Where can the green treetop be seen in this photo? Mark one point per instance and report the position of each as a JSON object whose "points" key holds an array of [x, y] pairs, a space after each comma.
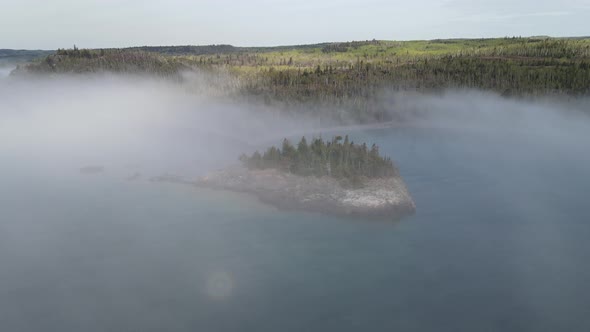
{"points": [[339, 158]]}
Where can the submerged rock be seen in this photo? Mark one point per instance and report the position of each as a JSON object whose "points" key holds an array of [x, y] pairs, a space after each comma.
{"points": [[379, 197]]}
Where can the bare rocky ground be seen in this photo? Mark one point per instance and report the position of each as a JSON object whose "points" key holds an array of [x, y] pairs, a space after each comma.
{"points": [[378, 198]]}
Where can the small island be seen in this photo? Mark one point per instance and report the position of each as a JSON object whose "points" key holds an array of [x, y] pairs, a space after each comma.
{"points": [[336, 177]]}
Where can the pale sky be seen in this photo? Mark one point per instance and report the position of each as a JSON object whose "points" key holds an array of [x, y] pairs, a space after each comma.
{"points": [[51, 24]]}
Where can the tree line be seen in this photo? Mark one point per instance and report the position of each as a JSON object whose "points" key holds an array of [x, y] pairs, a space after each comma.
{"points": [[339, 158], [343, 82]]}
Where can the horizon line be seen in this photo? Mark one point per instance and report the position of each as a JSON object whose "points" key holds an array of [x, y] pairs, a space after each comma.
{"points": [[299, 45]]}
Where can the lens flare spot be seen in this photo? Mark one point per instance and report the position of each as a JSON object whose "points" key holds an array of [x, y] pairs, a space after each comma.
{"points": [[219, 285]]}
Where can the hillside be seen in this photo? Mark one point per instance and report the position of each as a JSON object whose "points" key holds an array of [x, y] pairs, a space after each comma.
{"points": [[347, 80], [10, 57]]}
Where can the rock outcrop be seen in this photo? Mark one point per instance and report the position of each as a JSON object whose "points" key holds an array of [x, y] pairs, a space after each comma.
{"points": [[380, 197]]}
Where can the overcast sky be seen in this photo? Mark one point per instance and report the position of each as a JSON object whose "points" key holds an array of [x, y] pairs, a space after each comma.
{"points": [[50, 24]]}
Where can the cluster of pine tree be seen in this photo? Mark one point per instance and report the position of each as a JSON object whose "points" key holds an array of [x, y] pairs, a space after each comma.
{"points": [[111, 60], [80, 53], [338, 158]]}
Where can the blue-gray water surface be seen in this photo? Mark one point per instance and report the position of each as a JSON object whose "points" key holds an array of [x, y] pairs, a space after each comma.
{"points": [[499, 243]]}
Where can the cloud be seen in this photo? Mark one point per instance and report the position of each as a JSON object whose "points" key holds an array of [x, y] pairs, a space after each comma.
{"points": [[49, 25], [514, 16]]}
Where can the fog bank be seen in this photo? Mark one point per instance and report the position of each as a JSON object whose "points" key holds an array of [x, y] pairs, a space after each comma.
{"points": [[157, 126], [114, 121]]}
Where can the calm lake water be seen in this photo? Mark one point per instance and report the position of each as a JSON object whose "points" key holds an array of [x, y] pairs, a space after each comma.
{"points": [[499, 243]]}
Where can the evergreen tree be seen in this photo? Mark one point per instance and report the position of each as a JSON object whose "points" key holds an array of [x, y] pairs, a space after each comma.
{"points": [[337, 158]]}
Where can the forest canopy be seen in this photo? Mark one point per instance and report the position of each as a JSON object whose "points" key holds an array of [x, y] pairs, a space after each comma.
{"points": [[351, 82], [339, 158]]}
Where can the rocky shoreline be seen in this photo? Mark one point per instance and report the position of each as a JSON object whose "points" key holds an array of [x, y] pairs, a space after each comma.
{"points": [[378, 198]]}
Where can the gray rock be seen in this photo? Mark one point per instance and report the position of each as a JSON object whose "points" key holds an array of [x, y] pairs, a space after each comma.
{"points": [[381, 198]]}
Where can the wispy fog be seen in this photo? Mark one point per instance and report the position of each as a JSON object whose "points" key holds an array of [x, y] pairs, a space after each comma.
{"points": [[5, 70], [548, 120], [139, 122], [161, 126]]}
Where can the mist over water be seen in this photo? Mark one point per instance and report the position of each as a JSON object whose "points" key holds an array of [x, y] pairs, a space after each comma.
{"points": [[5, 70], [115, 120], [499, 239], [118, 120]]}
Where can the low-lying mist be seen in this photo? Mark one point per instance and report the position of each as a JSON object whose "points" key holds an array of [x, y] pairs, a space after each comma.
{"points": [[117, 121], [158, 126], [546, 120], [5, 69]]}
